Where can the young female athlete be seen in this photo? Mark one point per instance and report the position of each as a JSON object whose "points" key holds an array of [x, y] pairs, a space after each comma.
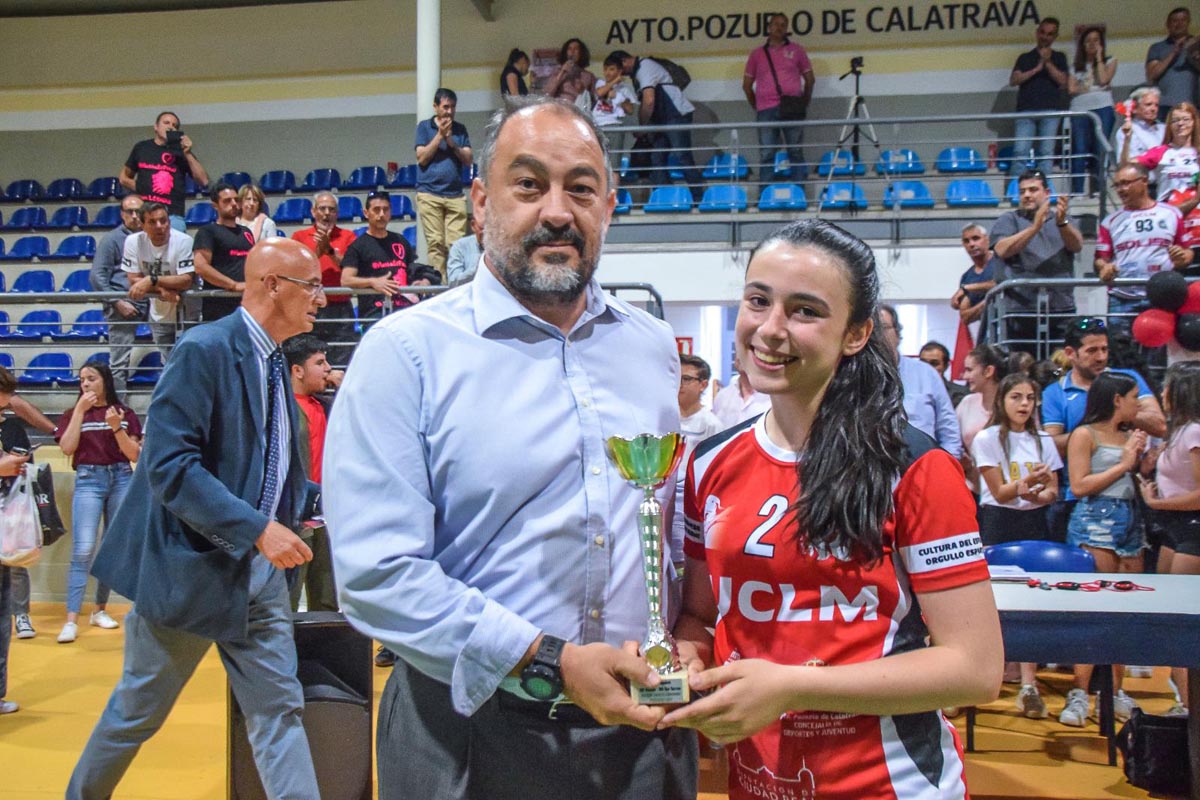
{"points": [[826, 541]]}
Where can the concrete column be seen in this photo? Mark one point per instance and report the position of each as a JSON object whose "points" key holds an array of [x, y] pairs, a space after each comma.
{"points": [[429, 54]]}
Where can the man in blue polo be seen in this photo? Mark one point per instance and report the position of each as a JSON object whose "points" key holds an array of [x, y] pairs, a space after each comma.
{"points": [[1063, 402]]}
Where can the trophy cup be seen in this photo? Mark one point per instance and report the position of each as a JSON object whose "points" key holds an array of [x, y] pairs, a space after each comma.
{"points": [[647, 461]]}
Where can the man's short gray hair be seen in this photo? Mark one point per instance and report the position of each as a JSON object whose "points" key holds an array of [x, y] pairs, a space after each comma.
{"points": [[1144, 91], [324, 193], [974, 226], [512, 106]]}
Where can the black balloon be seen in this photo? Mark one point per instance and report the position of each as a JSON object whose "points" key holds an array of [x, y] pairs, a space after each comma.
{"points": [[1167, 290], [1187, 331]]}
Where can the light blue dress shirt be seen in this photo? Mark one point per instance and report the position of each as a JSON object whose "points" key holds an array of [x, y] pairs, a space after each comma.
{"points": [[468, 496], [928, 404]]}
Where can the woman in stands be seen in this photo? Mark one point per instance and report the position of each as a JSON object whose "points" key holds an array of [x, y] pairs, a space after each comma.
{"points": [[254, 217], [1174, 499], [512, 78], [102, 436], [1102, 454], [1176, 161], [1090, 85], [573, 80], [983, 369], [826, 540]]}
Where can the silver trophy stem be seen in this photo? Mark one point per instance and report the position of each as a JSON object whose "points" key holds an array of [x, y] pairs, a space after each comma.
{"points": [[659, 646]]}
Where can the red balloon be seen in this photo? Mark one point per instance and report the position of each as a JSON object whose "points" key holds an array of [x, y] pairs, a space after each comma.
{"points": [[1192, 305], [1154, 327]]}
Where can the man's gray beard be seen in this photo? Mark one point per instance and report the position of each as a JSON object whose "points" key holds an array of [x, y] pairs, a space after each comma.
{"points": [[554, 284]]}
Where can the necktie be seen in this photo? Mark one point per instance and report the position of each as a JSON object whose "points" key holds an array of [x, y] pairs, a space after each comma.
{"points": [[271, 477]]}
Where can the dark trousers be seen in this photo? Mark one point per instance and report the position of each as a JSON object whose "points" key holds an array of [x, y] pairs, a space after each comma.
{"points": [[678, 142], [316, 576], [5, 625], [1059, 517], [427, 750], [998, 525]]}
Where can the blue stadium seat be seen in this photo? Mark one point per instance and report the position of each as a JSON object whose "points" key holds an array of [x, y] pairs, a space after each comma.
{"points": [[143, 333], [148, 369], [843, 194], [34, 280], [366, 179], [410, 233], [624, 202], [278, 181], [26, 248], [74, 248], [68, 217], [36, 324], [6, 359], [89, 326], [360, 231], [323, 179], [106, 217], [104, 188], [406, 178], [236, 179], [402, 207], [675, 167], [293, 210], [1013, 192], [899, 162], [970, 193], [200, 214], [669, 200], [45, 369], [782, 165], [961, 159], [1, 273], [349, 209], [25, 189], [1004, 160], [28, 219], [101, 356], [723, 197], [846, 165], [623, 168], [190, 188], [908, 194], [77, 281], [469, 174], [65, 189], [782, 197], [725, 167]]}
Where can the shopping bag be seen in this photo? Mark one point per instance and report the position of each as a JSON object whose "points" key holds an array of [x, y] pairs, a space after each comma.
{"points": [[43, 492], [20, 529]]}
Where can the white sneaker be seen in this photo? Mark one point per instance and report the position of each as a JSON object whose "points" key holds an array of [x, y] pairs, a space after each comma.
{"points": [[8, 707], [1177, 710], [24, 627], [68, 633], [1077, 709], [1030, 703], [1139, 672], [1123, 706], [101, 619]]}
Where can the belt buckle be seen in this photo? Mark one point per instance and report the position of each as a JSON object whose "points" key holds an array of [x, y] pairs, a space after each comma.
{"points": [[552, 714]]}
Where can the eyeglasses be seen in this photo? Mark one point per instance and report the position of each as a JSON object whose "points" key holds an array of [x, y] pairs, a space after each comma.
{"points": [[133, 211], [314, 287], [690, 379]]}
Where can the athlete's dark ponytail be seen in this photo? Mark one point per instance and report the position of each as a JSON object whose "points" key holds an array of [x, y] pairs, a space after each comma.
{"points": [[855, 449]]}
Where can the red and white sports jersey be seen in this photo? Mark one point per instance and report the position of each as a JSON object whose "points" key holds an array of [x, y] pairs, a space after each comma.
{"points": [[1137, 241], [1191, 223], [1174, 167], [778, 603]]}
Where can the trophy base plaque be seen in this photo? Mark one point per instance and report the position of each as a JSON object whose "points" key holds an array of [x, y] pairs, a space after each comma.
{"points": [[671, 690]]}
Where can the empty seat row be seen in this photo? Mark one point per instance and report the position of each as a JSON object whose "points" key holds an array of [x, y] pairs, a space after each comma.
{"points": [[64, 189], [27, 248], [42, 280], [47, 369], [44, 323]]}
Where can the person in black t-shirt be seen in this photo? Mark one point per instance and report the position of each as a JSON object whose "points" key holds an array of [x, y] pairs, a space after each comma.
{"points": [[220, 253], [378, 260], [157, 168], [1041, 76]]}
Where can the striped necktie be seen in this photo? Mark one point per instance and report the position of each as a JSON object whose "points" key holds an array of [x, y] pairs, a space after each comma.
{"points": [[271, 478]]}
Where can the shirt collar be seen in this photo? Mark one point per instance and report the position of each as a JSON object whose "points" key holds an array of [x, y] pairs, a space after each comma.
{"points": [[494, 304], [264, 345]]}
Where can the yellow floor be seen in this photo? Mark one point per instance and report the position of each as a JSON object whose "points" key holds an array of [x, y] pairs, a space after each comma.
{"points": [[63, 688]]}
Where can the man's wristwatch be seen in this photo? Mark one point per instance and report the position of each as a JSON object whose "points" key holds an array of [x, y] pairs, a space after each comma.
{"points": [[542, 677]]}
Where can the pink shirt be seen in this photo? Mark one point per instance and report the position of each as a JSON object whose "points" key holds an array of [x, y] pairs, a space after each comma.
{"points": [[791, 62], [1175, 464]]}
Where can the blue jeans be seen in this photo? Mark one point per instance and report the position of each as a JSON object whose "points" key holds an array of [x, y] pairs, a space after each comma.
{"points": [[770, 140], [98, 490], [5, 625], [1045, 129], [1085, 150], [1121, 313], [678, 142]]}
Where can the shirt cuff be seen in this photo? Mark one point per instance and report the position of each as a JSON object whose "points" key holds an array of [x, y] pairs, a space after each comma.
{"points": [[498, 642]]}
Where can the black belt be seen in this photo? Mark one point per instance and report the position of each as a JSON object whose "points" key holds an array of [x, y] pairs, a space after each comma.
{"points": [[562, 711]]}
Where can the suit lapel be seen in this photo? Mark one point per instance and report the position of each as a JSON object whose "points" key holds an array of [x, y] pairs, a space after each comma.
{"points": [[251, 373]]}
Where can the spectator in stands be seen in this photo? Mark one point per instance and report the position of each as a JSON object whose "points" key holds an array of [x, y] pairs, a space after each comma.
{"points": [[422, 275], [662, 103], [1090, 87], [1170, 65], [309, 371], [937, 355], [1176, 161], [157, 168], [464, 255], [739, 401], [1141, 131], [512, 77], [573, 81], [615, 102], [985, 272], [1063, 402], [123, 315], [983, 369], [378, 260], [926, 400], [158, 260], [1140, 239], [778, 85], [220, 251], [103, 438], [443, 149], [1041, 75], [254, 216], [14, 581], [1031, 249], [335, 324]]}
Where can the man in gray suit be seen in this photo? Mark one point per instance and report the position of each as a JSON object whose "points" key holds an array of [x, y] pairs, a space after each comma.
{"points": [[201, 540]]}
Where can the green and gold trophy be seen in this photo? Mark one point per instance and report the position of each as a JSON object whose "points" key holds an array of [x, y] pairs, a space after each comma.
{"points": [[647, 461]]}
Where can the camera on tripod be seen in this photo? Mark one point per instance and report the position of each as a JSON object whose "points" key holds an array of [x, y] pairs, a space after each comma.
{"points": [[856, 63]]}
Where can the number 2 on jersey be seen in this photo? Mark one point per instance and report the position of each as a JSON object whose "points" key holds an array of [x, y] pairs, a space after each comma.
{"points": [[774, 509]]}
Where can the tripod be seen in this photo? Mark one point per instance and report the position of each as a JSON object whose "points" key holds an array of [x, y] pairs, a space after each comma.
{"points": [[857, 126]]}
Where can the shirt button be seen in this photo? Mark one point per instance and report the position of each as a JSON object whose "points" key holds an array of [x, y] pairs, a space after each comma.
{"points": [[595, 470], [585, 404], [594, 613], [599, 540]]}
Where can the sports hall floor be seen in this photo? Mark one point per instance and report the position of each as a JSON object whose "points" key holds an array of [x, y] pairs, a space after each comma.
{"points": [[62, 689]]}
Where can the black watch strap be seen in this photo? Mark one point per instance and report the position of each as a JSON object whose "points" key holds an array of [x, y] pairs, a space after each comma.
{"points": [[549, 651]]}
